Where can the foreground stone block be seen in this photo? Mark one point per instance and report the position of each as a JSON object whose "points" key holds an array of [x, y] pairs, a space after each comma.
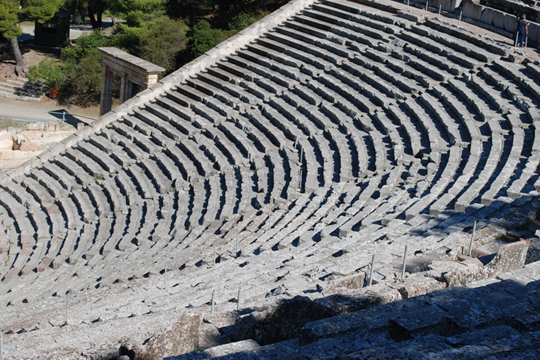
{"points": [[181, 339]]}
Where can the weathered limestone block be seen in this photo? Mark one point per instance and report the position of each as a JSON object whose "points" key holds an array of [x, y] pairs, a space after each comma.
{"points": [[244, 346], [533, 254], [279, 322], [473, 11], [6, 154], [509, 257], [335, 281], [346, 301], [29, 146], [6, 141], [182, 338], [35, 126], [418, 285], [50, 126]]}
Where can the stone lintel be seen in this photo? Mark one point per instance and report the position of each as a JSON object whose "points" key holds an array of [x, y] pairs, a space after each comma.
{"points": [[124, 57]]}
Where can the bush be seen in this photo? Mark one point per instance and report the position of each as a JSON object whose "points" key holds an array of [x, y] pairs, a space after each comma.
{"points": [[85, 44], [88, 75], [161, 43], [243, 20], [51, 71], [203, 38]]}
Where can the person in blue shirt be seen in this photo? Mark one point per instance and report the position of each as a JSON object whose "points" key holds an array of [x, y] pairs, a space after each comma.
{"points": [[522, 29]]}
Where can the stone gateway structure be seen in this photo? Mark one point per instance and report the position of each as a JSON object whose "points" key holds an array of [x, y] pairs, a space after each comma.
{"points": [[328, 140], [133, 71]]}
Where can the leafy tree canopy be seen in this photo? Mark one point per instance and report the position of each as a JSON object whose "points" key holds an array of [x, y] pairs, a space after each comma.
{"points": [[42, 10], [9, 18]]}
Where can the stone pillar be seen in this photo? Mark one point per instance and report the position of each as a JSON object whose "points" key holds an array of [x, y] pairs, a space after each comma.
{"points": [[132, 70], [106, 91], [123, 89]]}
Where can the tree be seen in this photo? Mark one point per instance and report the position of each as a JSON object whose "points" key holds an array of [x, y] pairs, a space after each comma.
{"points": [[9, 21], [41, 10], [203, 38], [161, 43], [96, 8]]}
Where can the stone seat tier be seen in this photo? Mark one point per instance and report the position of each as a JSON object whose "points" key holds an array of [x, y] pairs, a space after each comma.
{"points": [[434, 192], [418, 114], [461, 181], [475, 52], [481, 179], [77, 171], [398, 65], [504, 174], [115, 152], [440, 51], [374, 28], [48, 182]]}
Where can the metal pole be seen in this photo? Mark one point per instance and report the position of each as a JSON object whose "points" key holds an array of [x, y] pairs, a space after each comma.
{"points": [[238, 302], [371, 270], [67, 306], [439, 11], [526, 38], [212, 303], [63, 116], [404, 262], [460, 14], [472, 238], [426, 8], [407, 3], [517, 36]]}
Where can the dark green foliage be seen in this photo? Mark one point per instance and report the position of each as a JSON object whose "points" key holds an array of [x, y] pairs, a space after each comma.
{"points": [[51, 71], [89, 73], [203, 38], [161, 43], [9, 19], [245, 19], [42, 10], [85, 45]]}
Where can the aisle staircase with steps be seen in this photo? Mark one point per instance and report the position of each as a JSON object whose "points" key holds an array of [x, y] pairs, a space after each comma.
{"points": [[22, 89]]}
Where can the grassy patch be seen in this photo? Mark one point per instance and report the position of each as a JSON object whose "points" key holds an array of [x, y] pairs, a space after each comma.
{"points": [[6, 123]]}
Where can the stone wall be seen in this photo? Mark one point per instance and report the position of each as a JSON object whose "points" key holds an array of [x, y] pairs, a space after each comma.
{"points": [[18, 145]]}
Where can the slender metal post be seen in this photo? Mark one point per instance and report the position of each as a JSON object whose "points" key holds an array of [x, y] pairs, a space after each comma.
{"points": [[404, 262], [238, 301], [63, 116], [371, 270], [439, 11], [407, 3], [472, 239], [460, 14], [426, 8], [212, 303], [526, 38], [67, 306], [517, 37], [214, 253]]}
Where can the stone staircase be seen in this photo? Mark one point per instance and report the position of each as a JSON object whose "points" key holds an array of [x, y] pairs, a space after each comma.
{"points": [[22, 89]]}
